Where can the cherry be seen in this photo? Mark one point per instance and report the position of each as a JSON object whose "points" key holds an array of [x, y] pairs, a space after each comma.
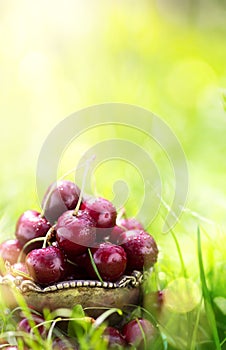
{"points": [[46, 265], [29, 226], [116, 234], [110, 261], [82, 260], [140, 248], [20, 267], [114, 338], [124, 224], [104, 214], [74, 233], [61, 196], [130, 224], [73, 272], [134, 335], [25, 325], [10, 250]]}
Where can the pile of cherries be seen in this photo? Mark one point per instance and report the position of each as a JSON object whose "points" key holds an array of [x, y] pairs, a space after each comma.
{"points": [[77, 237]]}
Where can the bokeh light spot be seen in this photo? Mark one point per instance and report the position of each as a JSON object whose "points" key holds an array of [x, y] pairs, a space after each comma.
{"points": [[182, 295]]}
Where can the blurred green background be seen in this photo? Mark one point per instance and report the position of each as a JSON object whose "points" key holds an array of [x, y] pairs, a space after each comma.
{"points": [[166, 56]]}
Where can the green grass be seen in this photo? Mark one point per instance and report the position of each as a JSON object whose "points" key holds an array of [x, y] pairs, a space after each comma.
{"points": [[207, 298]]}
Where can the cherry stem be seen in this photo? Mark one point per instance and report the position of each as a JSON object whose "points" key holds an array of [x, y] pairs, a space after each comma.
{"points": [[37, 239], [87, 166], [50, 234], [16, 273], [121, 214], [54, 185]]}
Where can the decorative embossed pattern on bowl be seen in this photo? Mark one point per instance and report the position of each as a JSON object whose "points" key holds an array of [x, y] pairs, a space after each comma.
{"points": [[93, 295]]}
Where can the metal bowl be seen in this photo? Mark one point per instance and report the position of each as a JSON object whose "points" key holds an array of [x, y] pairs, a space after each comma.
{"points": [[92, 295]]}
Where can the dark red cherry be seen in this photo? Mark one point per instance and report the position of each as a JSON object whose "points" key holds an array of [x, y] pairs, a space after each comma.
{"points": [[73, 272], [61, 196], [114, 338], [10, 250], [110, 261], [116, 234], [74, 233], [82, 260], [31, 225], [130, 224], [104, 214], [124, 224], [25, 325], [136, 330], [101, 210], [46, 265], [140, 248], [20, 267]]}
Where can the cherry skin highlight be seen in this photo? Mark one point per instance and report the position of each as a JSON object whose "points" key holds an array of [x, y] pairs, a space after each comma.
{"points": [[74, 233], [46, 265], [61, 196], [29, 226]]}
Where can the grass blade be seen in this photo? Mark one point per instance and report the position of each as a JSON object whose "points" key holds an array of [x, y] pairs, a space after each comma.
{"points": [[206, 295], [94, 265]]}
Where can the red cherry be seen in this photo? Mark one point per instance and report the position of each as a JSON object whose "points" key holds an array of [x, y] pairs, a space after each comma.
{"points": [[135, 331], [130, 224], [20, 267], [61, 196], [104, 214], [114, 337], [73, 272], [25, 325], [110, 261], [10, 250], [124, 224], [29, 226], [140, 248], [74, 233], [46, 265], [116, 234]]}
